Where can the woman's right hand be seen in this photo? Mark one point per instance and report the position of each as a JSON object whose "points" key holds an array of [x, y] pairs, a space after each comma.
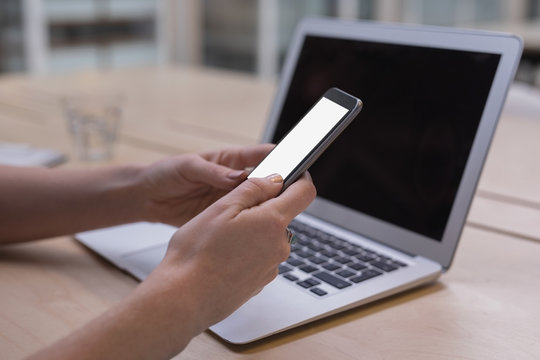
{"points": [[229, 252]]}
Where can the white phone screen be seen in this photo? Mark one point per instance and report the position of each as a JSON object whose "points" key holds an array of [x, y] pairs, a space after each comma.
{"points": [[299, 142]]}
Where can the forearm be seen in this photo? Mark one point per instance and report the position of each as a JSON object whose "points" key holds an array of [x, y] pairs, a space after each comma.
{"points": [[155, 322], [202, 278], [39, 203]]}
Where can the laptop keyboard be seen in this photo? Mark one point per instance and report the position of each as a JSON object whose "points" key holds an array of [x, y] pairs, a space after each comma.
{"points": [[319, 259]]}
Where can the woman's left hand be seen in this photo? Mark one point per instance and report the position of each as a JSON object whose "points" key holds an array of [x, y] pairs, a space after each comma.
{"points": [[178, 188]]}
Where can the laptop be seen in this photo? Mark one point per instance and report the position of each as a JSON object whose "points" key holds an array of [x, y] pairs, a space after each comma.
{"points": [[393, 190]]}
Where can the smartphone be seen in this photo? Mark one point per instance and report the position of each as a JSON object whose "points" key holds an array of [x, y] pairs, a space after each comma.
{"points": [[308, 139]]}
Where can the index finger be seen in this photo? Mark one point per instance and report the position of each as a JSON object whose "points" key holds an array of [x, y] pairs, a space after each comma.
{"points": [[295, 199], [240, 158], [253, 155]]}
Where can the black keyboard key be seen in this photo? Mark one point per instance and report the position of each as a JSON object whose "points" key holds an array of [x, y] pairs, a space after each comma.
{"points": [[331, 266], [310, 232], [304, 253], [364, 275], [296, 247], [370, 251], [316, 260], [345, 273], [365, 257], [356, 247], [383, 266], [284, 268], [318, 291], [303, 240], [342, 260], [357, 266], [337, 245], [294, 262], [304, 284], [324, 240], [329, 253], [332, 280], [398, 263], [290, 277], [308, 283], [333, 239], [315, 247], [307, 268], [350, 252], [320, 235]]}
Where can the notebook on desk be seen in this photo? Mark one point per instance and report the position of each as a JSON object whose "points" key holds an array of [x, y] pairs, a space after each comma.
{"points": [[393, 191]]}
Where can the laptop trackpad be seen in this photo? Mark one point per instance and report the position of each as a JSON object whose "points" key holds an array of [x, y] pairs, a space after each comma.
{"points": [[142, 262]]}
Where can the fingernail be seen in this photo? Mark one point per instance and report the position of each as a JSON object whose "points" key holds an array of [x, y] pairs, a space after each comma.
{"points": [[275, 178], [235, 175]]}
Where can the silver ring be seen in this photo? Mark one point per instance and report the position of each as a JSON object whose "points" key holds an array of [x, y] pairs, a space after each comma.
{"points": [[291, 238]]}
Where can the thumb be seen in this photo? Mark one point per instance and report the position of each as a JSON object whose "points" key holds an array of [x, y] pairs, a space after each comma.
{"points": [[253, 192]]}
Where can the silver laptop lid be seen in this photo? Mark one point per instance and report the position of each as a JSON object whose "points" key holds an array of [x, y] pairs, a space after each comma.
{"points": [[405, 172]]}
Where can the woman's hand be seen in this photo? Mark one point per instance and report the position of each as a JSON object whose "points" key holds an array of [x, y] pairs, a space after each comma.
{"points": [[38, 203], [214, 263], [179, 188], [228, 253]]}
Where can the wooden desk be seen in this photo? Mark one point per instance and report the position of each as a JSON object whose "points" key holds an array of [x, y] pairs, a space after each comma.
{"points": [[486, 306]]}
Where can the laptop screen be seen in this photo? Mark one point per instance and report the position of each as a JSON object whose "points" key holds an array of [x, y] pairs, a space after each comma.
{"points": [[402, 159]]}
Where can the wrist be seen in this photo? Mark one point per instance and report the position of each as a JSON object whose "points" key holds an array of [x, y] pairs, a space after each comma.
{"points": [[153, 322], [125, 189], [171, 307]]}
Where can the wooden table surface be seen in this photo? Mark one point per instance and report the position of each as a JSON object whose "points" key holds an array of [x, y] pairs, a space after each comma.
{"points": [[486, 307]]}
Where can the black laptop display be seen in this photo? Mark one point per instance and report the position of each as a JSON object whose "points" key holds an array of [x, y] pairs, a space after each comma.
{"points": [[403, 160]]}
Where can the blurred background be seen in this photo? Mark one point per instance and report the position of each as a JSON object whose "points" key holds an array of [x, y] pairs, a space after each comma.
{"points": [[56, 36]]}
